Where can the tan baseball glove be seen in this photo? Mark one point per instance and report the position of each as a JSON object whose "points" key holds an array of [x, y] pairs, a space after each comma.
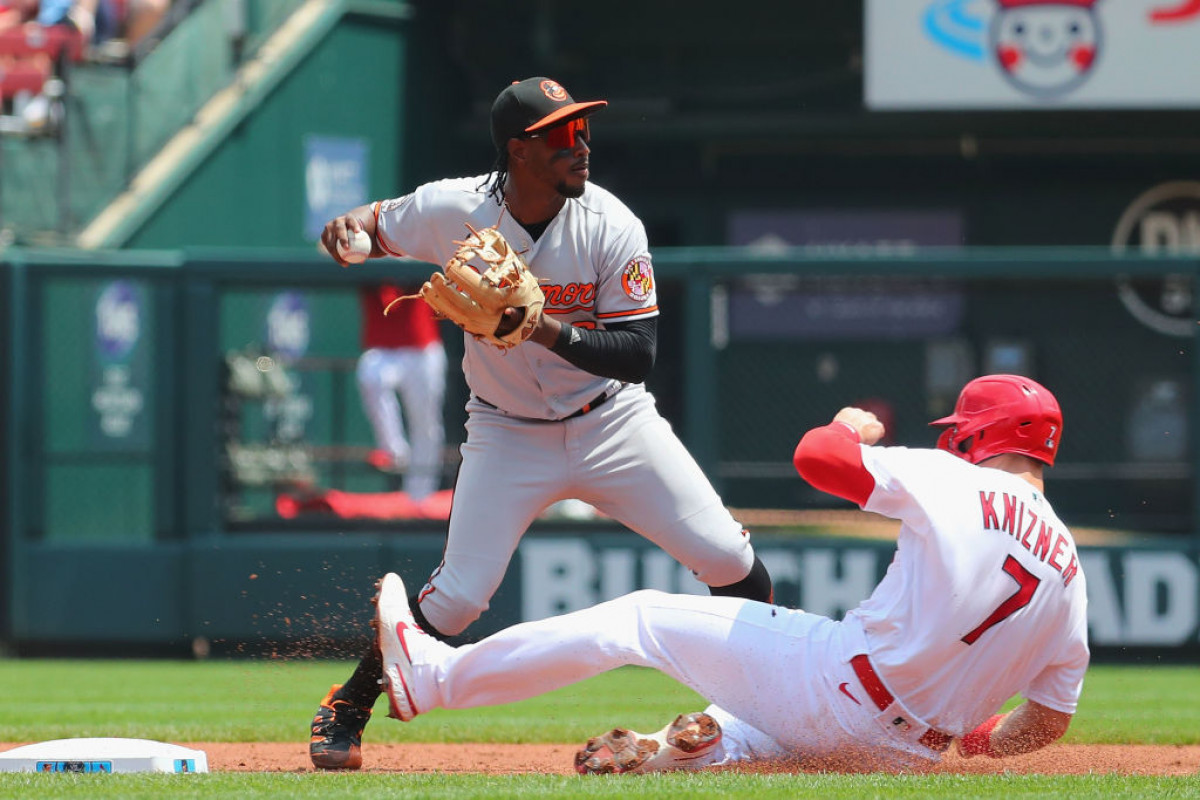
{"points": [[474, 295]]}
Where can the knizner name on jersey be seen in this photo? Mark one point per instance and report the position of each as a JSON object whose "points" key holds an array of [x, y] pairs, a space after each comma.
{"points": [[1008, 513]]}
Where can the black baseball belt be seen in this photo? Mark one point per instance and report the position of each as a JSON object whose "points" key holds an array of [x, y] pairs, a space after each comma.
{"points": [[587, 408]]}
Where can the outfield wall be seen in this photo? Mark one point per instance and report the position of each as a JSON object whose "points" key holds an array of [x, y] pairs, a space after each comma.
{"points": [[127, 522], [309, 594]]}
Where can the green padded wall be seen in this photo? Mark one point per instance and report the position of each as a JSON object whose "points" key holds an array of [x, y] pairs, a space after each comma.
{"points": [[251, 191]]}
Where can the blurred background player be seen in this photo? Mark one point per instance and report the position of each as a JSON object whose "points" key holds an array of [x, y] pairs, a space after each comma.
{"points": [[403, 364], [983, 600]]}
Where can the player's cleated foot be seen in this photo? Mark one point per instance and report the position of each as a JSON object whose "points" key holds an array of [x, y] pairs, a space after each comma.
{"points": [[684, 744], [384, 461], [395, 629], [337, 730]]}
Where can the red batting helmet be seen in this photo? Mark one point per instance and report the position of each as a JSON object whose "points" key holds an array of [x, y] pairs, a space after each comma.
{"points": [[1002, 414]]}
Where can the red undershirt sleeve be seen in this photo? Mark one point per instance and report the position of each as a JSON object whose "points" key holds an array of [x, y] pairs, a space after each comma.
{"points": [[829, 458]]}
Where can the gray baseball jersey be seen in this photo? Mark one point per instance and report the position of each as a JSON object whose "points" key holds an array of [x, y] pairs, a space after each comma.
{"points": [[574, 259]]}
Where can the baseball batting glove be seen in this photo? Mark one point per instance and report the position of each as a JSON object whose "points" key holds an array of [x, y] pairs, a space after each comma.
{"points": [[475, 297]]}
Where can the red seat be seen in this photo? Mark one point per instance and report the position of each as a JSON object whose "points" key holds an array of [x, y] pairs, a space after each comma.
{"points": [[22, 78], [33, 39]]}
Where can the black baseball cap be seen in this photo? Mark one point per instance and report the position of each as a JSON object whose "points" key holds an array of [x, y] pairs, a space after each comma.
{"points": [[532, 105]]}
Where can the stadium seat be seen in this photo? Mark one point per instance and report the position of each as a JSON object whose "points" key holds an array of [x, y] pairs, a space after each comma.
{"points": [[53, 41], [22, 77]]}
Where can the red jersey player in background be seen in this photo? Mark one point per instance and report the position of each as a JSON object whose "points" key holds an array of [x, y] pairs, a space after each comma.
{"points": [[403, 364]]}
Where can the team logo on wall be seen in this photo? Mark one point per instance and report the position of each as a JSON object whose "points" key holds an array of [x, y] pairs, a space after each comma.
{"points": [[1045, 47], [288, 325], [638, 278], [118, 321], [1163, 221]]}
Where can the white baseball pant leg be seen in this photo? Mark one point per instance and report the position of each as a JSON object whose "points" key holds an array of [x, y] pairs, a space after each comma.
{"points": [[379, 372], [422, 390], [772, 672]]}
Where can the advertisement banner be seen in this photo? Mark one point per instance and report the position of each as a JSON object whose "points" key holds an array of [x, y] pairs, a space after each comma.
{"points": [[1139, 599], [791, 308], [1031, 54], [335, 179]]}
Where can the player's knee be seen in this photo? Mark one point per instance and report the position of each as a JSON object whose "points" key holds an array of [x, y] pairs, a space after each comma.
{"points": [[639, 597], [722, 565], [756, 585], [449, 613], [713, 545]]}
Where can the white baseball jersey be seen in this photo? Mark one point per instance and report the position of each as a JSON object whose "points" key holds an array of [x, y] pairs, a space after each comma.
{"points": [[984, 599], [593, 261]]}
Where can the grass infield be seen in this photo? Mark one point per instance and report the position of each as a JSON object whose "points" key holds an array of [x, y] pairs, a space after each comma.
{"points": [[268, 701]]}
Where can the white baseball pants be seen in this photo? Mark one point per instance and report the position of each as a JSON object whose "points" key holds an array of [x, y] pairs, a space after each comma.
{"points": [[772, 674], [417, 376]]}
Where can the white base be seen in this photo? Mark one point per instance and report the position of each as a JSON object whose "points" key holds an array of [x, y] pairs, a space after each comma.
{"points": [[103, 755]]}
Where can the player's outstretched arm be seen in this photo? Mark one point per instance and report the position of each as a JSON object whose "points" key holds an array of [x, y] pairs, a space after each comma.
{"points": [[1028, 727]]}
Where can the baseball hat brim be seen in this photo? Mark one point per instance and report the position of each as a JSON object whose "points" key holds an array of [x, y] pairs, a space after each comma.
{"points": [[565, 113]]}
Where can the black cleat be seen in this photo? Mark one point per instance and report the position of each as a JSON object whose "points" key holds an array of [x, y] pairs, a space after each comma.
{"points": [[337, 732]]}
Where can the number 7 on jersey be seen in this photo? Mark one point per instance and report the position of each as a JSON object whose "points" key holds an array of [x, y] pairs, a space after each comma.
{"points": [[1027, 584]]}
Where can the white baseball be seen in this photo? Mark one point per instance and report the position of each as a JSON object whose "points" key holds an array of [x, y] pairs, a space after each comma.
{"points": [[359, 249]]}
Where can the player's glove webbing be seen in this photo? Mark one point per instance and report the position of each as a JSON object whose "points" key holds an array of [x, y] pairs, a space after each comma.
{"points": [[474, 296]]}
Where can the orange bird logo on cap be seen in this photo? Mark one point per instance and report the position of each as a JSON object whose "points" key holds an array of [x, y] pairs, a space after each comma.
{"points": [[554, 91]]}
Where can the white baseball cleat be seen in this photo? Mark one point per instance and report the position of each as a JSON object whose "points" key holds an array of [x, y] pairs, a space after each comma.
{"points": [[394, 624], [684, 744]]}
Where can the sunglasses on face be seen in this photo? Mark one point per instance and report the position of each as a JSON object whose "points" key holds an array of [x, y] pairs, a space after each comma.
{"points": [[562, 137]]}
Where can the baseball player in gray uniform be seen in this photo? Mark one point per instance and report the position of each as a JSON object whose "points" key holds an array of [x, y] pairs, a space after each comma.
{"points": [[985, 599], [564, 414]]}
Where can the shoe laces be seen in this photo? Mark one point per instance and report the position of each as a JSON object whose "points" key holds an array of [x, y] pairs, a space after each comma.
{"points": [[341, 714]]}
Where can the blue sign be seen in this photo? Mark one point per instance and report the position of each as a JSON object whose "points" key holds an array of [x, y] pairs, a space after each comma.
{"points": [[335, 179], [120, 384], [288, 325], [118, 321]]}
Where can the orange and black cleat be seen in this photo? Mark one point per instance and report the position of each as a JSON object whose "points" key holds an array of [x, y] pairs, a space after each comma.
{"points": [[337, 732]]}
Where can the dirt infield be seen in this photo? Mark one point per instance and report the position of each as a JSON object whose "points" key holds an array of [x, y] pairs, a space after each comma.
{"points": [[515, 759]]}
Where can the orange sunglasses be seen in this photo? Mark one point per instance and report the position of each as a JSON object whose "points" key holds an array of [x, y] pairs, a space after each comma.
{"points": [[562, 137]]}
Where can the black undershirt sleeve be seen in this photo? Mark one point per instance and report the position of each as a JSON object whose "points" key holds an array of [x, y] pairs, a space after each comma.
{"points": [[623, 350]]}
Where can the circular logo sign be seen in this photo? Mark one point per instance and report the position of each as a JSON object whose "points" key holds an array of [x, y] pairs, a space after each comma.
{"points": [[1046, 48], [1163, 220], [118, 320]]}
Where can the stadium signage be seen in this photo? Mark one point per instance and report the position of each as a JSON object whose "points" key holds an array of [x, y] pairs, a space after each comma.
{"points": [[1136, 597], [1023, 54]]}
